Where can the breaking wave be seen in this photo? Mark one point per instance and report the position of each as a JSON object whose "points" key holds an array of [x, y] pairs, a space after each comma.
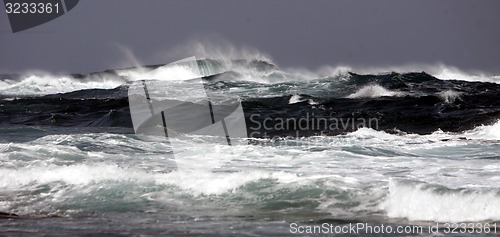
{"points": [[426, 202], [373, 91]]}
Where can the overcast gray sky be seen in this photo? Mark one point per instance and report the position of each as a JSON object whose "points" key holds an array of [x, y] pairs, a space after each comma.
{"points": [[309, 34]]}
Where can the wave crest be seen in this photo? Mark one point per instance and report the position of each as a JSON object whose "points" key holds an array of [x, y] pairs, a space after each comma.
{"points": [[374, 91], [45, 83], [426, 202]]}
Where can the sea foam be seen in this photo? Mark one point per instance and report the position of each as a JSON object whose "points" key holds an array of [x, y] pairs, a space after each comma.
{"points": [[373, 91], [427, 202]]}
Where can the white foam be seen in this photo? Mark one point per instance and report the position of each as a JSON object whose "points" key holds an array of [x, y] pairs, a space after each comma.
{"points": [[164, 73], [294, 99], [483, 132], [195, 182], [226, 53], [452, 73], [41, 83], [489, 132], [5, 83], [81, 174], [449, 96], [424, 202], [56, 159], [297, 98], [44, 83], [56, 163], [374, 91], [367, 133]]}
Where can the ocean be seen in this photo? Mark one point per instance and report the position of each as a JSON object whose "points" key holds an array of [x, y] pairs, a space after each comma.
{"points": [[389, 153]]}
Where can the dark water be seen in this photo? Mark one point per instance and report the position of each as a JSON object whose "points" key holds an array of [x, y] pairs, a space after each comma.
{"points": [[422, 105]]}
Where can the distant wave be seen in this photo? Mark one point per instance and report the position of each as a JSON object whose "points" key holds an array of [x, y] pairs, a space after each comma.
{"points": [[46, 84], [482, 133], [373, 91], [414, 102], [249, 70]]}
